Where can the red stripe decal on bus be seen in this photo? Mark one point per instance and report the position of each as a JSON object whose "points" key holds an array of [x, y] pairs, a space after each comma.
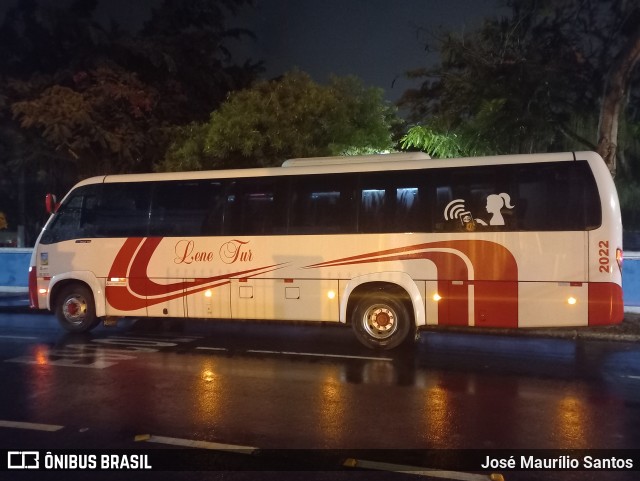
{"points": [[490, 266], [132, 261]]}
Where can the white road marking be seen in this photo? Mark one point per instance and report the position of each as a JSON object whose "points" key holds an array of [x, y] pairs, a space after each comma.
{"points": [[212, 348], [18, 337], [399, 468], [312, 354], [193, 443], [32, 426]]}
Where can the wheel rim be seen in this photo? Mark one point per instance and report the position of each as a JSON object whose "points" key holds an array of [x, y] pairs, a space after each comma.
{"points": [[380, 321], [74, 309]]}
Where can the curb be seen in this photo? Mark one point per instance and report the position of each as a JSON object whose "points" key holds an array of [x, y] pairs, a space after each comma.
{"points": [[627, 331]]}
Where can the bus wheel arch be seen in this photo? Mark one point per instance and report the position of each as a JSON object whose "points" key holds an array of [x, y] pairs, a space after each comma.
{"points": [[75, 307], [381, 315]]}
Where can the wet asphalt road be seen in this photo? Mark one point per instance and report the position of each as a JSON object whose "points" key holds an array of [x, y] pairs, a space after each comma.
{"points": [[143, 385]]}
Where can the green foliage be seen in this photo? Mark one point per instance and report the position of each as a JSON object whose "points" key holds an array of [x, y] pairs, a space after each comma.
{"points": [[287, 118], [527, 82], [78, 99], [187, 151], [442, 145], [103, 100], [99, 123]]}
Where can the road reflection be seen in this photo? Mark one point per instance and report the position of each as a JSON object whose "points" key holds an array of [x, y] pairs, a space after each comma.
{"points": [[209, 388], [571, 422], [276, 386]]}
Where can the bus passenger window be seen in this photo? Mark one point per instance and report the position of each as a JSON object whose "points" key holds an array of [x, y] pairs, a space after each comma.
{"points": [[390, 201], [322, 205], [410, 213], [475, 199], [257, 215], [373, 211], [183, 208], [124, 210], [254, 207]]}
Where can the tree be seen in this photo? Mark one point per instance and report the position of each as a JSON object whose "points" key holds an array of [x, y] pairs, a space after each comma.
{"points": [[285, 118], [181, 51], [443, 145], [615, 98], [98, 123], [103, 99], [78, 98], [532, 81]]}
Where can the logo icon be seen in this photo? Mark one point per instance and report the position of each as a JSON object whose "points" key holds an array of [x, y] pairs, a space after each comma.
{"points": [[457, 210], [454, 209], [23, 460]]}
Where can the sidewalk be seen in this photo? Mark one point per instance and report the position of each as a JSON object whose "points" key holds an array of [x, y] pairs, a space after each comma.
{"points": [[14, 296], [627, 331]]}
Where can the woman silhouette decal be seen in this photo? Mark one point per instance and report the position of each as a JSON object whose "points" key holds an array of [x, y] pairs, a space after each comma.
{"points": [[495, 204]]}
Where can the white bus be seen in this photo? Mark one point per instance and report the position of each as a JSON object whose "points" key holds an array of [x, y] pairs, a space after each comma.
{"points": [[386, 246]]}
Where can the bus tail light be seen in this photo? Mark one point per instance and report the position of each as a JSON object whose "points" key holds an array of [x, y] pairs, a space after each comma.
{"points": [[619, 258], [33, 288]]}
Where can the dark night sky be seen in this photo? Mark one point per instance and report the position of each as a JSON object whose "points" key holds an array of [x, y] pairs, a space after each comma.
{"points": [[376, 40]]}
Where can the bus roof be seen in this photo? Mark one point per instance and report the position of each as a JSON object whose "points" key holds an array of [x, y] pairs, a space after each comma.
{"points": [[324, 165], [356, 159]]}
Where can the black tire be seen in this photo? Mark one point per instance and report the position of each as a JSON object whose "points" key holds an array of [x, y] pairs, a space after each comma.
{"points": [[380, 321], [76, 309]]}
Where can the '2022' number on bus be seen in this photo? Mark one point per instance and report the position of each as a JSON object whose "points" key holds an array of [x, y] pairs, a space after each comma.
{"points": [[603, 252]]}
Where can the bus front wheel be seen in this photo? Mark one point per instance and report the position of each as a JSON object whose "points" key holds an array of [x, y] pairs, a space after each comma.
{"points": [[75, 308], [380, 321]]}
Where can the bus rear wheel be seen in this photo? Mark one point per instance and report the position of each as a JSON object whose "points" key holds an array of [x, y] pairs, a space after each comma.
{"points": [[76, 309], [380, 321]]}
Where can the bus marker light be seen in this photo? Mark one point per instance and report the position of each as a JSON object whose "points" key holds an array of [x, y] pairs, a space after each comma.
{"points": [[572, 300], [331, 294], [43, 291], [208, 293], [436, 297]]}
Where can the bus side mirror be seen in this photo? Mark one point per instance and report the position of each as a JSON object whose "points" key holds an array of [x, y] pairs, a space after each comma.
{"points": [[51, 203]]}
